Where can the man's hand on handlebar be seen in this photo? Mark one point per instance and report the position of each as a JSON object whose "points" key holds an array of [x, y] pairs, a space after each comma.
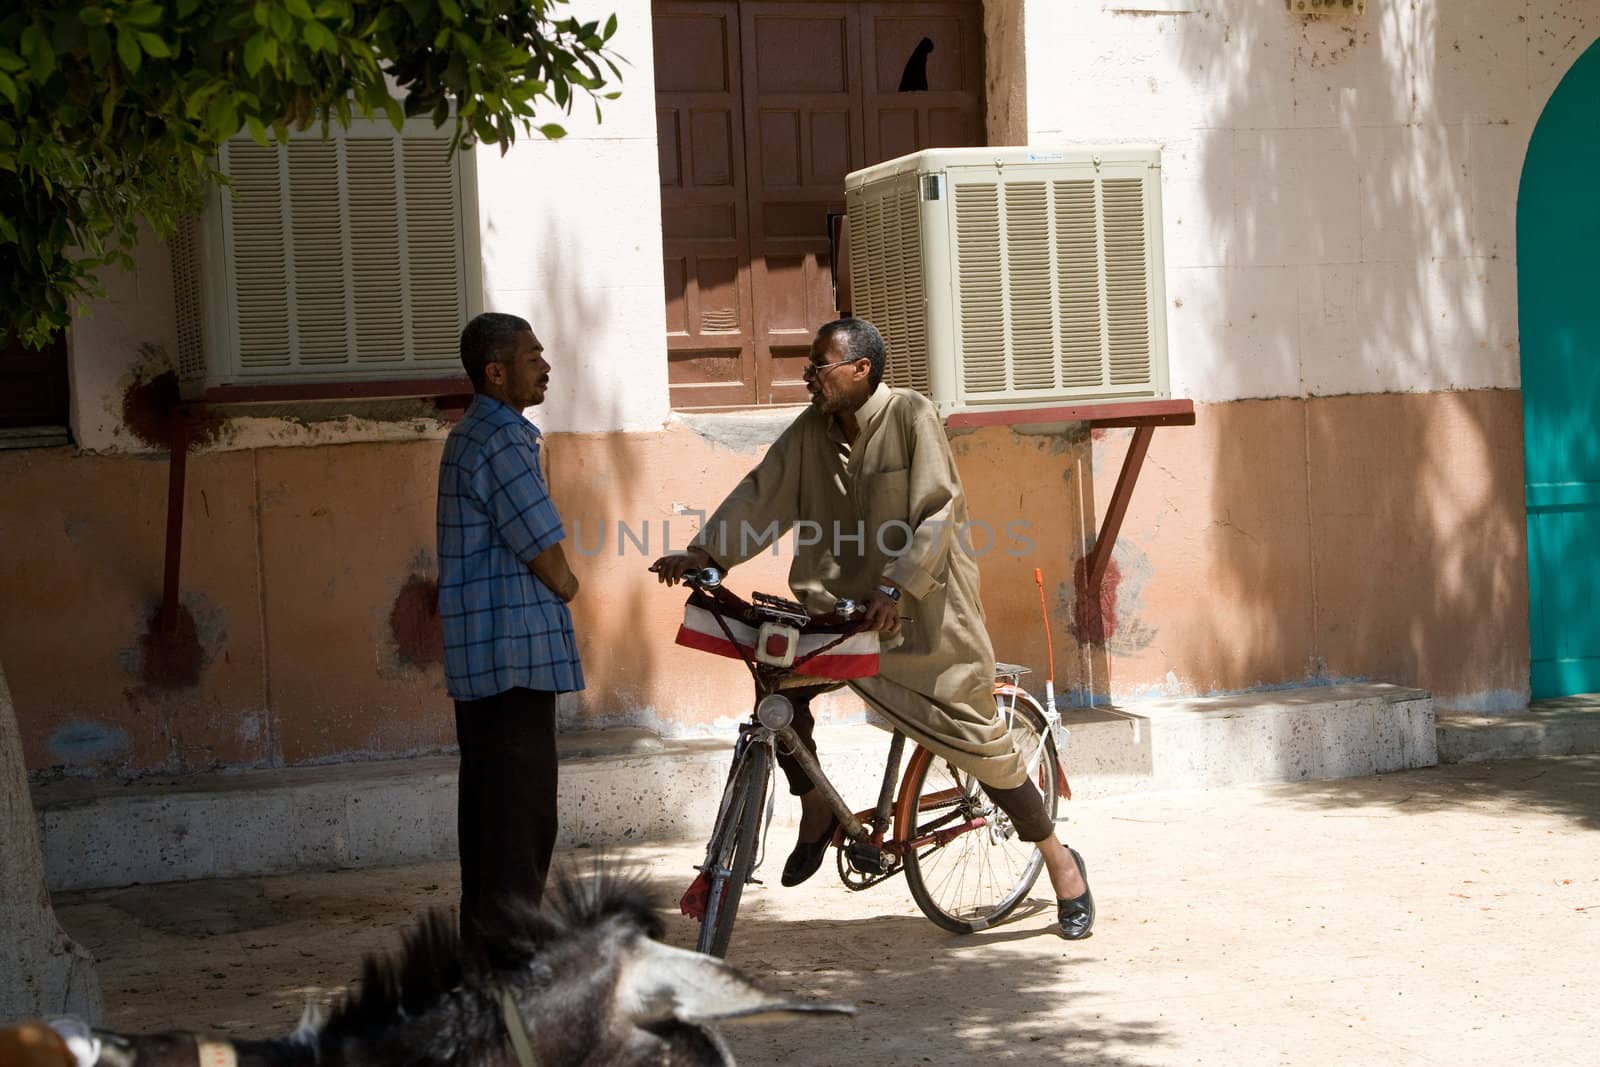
{"points": [[669, 569], [883, 614]]}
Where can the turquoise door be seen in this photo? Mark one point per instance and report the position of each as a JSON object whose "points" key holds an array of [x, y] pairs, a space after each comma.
{"points": [[1558, 292]]}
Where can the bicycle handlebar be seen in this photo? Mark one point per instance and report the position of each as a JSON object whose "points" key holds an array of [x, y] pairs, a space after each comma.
{"points": [[709, 579]]}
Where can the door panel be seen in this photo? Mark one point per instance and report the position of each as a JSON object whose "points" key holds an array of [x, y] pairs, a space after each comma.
{"points": [[816, 95], [705, 237], [801, 64], [1558, 228], [949, 112]]}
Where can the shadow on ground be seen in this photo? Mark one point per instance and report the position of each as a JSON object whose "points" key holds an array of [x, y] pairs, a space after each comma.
{"points": [[1567, 786], [243, 957]]}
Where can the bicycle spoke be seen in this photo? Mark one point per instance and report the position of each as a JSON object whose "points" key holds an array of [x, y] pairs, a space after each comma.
{"points": [[976, 876]]}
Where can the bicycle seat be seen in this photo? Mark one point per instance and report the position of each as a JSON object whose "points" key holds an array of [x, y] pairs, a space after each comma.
{"points": [[1010, 671]]}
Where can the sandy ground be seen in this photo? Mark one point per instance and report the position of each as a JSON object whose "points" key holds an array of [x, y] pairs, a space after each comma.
{"points": [[1445, 916]]}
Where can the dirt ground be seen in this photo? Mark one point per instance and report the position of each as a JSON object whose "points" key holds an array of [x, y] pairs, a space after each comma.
{"points": [[1445, 916]]}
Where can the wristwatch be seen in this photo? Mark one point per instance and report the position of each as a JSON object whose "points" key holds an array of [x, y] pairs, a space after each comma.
{"points": [[889, 591]]}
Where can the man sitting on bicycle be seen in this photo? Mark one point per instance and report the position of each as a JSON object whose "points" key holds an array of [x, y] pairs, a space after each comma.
{"points": [[868, 472]]}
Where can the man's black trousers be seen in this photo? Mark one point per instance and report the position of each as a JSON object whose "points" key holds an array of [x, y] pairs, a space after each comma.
{"points": [[506, 813]]}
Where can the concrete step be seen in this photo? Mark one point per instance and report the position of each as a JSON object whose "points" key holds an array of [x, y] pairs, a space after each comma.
{"points": [[629, 785], [1565, 726]]}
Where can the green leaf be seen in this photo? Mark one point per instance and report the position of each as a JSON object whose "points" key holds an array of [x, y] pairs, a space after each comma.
{"points": [[552, 131], [451, 9], [611, 27], [141, 15], [154, 46], [222, 119], [128, 51], [319, 37], [299, 9], [93, 16], [186, 8], [8, 88], [257, 130], [397, 114], [99, 48], [255, 53], [10, 61], [41, 57]]}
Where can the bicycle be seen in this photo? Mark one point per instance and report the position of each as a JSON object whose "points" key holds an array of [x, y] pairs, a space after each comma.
{"points": [[966, 868]]}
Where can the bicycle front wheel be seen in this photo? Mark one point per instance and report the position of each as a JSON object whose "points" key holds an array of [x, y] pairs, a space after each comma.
{"points": [[732, 855], [969, 869]]}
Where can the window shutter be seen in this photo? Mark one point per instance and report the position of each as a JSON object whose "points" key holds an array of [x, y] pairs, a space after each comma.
{"points": [[349, 257]]}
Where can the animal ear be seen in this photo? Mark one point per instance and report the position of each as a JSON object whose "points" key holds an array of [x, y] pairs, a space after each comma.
{"points": [[660, 982]]}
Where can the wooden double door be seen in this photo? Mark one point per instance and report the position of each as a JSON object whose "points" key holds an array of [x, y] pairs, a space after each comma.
{"points": [[762, 108]]}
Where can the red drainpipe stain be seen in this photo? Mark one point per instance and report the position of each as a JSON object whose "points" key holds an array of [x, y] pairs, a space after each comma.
{"points": [[414, 622], [151, 411], [1088, 626], [172, 660]]}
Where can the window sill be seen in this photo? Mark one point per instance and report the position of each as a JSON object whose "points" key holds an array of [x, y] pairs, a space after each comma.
{"points": [[447, 392], [20, 437]]}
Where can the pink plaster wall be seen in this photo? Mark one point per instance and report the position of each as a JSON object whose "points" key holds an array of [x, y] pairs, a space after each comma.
{"points": [[1374, 536]]}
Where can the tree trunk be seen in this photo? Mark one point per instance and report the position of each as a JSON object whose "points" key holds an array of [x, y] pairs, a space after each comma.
{"points": [[43, 972]]}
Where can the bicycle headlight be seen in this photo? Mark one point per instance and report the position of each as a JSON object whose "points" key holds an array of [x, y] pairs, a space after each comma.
{"points": [[775, 711]]}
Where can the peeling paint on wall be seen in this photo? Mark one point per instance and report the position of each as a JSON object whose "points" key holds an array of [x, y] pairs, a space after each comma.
{"points": [[171, 660], [152, 410], [1120, 626], [414, 623], [176, 659], [87, 742]]}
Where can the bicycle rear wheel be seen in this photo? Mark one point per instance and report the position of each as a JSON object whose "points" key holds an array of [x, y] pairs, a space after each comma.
{"points": [[732, 856], [967, 877]]}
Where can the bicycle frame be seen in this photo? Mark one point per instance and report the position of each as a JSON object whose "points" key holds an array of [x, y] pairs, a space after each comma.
{"points": [[869, 847]]}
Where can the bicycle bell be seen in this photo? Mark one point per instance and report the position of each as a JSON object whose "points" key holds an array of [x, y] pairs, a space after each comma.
{"points": [[846, 608], [710, 577], [775, 711]]}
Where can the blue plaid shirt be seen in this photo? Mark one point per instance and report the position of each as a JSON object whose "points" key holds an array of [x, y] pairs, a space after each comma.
{"points": [[503, 628]]}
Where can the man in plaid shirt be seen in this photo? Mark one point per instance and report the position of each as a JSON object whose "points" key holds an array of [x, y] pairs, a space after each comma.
{"points": [[504, 586]]}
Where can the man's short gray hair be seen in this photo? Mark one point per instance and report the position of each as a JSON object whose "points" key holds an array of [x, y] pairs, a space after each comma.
{"points": [[861, 341]]}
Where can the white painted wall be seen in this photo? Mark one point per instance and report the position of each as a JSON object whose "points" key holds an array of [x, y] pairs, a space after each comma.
{"points": [[135, 326], [572, 242], [1339, 194]]}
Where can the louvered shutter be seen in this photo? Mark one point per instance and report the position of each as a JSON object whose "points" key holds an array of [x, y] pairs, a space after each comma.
{"points": [[886, 281], [346, 258], [1054, 275]]}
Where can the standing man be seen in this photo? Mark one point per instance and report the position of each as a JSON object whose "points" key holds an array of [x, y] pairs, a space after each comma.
{"points": [[504, 586], [871, 466]]}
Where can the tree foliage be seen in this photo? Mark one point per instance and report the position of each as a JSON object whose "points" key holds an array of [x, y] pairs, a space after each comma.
{"points": [[112, 111]]}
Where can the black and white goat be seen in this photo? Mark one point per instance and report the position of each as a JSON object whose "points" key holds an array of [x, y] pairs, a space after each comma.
{"points": [[583, 981]]}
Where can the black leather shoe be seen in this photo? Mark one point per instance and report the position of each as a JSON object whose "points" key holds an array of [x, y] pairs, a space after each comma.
{"points": [[807, 856], [1075, 917]]}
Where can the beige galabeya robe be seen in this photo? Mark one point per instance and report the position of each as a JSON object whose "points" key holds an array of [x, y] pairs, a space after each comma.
{"points": [[890, 505]]}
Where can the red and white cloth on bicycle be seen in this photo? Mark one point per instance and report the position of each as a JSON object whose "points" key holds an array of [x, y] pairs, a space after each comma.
{"points": [[855, 656]]}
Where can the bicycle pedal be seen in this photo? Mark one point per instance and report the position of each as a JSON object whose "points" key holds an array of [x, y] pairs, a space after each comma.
{"points": [[867, 858]]}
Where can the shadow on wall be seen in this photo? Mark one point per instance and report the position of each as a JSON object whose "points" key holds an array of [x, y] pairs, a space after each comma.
{"points": [[1366, 252], [593, 476]]}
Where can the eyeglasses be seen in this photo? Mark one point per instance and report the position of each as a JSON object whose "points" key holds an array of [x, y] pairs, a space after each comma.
{"points": [[814, 369]]}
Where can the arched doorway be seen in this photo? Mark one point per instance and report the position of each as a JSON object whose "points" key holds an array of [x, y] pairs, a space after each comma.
{"points": [[1558, 280]]}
